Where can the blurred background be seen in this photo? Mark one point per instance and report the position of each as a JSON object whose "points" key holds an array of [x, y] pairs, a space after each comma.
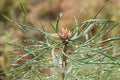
{"points": [[42, 12]]}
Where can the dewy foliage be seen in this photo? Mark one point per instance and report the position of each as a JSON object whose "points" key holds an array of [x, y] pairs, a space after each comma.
{"points": [[91, 58]]}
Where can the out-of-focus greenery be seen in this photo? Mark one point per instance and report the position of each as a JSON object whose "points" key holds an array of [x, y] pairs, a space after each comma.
{"points": [[7, 30], [113, 10]]}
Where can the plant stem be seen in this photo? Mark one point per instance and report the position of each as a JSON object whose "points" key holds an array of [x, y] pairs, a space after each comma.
{"points": [[64, 58]]}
